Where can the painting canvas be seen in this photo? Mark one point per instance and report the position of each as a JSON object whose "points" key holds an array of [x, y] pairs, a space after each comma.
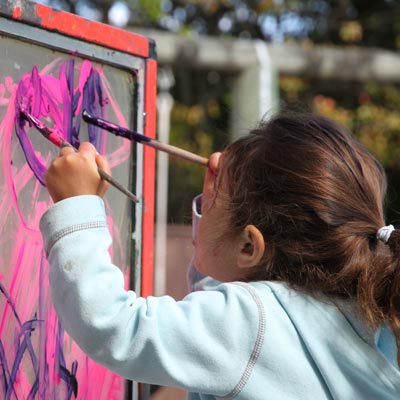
{"points": [[37, 358]]}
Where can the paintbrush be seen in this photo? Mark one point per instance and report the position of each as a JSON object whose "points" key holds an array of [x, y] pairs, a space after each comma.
{"points": [[138, 137], [54, 137]]}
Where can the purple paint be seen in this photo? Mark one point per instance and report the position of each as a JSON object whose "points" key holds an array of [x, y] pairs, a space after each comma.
{"points": [[35, 98], [25, 96]]}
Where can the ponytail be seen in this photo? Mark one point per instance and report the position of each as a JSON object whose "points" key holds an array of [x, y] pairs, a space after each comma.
{"points": [[393, 294], [379, 288]]}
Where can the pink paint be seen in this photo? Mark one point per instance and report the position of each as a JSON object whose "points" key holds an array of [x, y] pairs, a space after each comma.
{"points": [[50, 361]]}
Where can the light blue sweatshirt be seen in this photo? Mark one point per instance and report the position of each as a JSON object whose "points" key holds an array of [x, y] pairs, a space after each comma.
{"points": [[254, 341]]}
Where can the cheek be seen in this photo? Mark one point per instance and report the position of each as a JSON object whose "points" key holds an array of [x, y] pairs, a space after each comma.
{"points": [[203, 261], [210, 229], [205, 251]]}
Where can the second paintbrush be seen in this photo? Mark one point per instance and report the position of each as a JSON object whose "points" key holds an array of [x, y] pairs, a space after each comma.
{"points": [[137, 137]]}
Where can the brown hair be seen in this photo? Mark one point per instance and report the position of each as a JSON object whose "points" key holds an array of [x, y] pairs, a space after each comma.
{"points": [[316, 194]]}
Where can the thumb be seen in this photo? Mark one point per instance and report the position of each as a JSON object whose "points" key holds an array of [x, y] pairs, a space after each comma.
{"points": [[213, 162], [211, 173], [103, 164]]}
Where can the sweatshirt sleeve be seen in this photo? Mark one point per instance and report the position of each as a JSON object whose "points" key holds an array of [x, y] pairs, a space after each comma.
{"points": [[196, 343]]}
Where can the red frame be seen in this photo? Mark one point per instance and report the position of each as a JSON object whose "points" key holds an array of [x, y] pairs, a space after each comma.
{"points": [[149, 179], [127, 42], [78, 27]]}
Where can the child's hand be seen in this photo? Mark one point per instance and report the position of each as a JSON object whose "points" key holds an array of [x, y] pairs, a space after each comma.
{"points": [[75, 173], [209, 182]]}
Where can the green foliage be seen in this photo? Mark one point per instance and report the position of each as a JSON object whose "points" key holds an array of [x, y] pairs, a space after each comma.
{"points": [[150, 8], [361, 22], [199, 123], [145, 13], [370, 110]]}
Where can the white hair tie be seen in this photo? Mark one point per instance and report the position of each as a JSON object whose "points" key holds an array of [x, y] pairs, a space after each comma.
{"points": [[384, 233]]}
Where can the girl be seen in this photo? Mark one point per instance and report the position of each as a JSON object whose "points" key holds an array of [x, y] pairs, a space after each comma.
{"points": [[308, 300]]}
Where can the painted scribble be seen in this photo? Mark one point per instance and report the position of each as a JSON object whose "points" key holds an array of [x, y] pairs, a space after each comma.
{"points": [[37, 358]]}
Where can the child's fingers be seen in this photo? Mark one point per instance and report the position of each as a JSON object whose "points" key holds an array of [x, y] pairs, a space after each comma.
{"points": [[213, 162], [209, 182], [211, 173], [89, 151], [75, 173], [66, 150]]}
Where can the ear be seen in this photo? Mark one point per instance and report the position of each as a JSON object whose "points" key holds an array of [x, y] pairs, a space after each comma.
{"points": [[251, 247]]}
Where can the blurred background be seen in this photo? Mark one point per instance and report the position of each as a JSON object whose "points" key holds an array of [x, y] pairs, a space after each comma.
{"points": [[224, 65]]}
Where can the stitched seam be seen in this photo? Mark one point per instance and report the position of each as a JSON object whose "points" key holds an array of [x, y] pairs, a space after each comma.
{"points": [[74, 228], [257, 346]]}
